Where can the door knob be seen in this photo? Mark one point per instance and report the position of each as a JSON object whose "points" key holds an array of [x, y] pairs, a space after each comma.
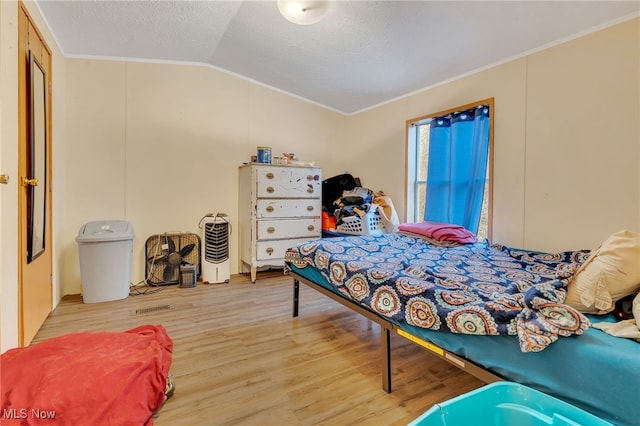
{"points": [[30, 182], [4, 179]]}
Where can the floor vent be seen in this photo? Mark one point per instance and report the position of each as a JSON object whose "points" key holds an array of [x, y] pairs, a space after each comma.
{"points": [[152, 309]]}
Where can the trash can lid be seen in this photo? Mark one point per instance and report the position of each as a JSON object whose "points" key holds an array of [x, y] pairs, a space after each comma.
{"points": [[105, 230]]}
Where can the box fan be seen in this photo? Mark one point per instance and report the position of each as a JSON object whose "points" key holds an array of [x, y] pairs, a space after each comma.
{"points": [[166, 254]]}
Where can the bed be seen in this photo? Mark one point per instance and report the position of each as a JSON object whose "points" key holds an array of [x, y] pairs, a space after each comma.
{"points": [[525, 335]]}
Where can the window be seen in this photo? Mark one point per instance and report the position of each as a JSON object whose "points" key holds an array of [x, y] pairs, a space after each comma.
{"points": [[419, 133]]}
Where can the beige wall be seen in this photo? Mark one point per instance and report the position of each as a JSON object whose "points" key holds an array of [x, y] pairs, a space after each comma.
{"points": [[9, 163], [567, 140], [583, 139], [159, 145]]}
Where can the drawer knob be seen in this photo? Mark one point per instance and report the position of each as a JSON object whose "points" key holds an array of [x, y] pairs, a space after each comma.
{"points": [[310, 190], [269, 175], [271, 229], [269, 209], [311, 227], [269, 250], [309, 208], [270, 189]]}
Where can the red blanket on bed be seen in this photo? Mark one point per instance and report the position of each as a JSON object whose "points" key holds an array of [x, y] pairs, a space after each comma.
{"points": [[440, 231], [100, 378]]}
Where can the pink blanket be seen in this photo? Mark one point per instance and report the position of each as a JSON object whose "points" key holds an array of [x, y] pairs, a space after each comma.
{"points": [[440, 231]]}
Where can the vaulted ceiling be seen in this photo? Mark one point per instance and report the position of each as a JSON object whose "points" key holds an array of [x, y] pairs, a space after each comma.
{"points": [[363, 53]]}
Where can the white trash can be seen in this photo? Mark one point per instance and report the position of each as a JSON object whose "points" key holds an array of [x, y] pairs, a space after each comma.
{"points": [[105, 250]]}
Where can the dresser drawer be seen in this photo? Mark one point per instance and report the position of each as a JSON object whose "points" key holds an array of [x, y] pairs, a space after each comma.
{"points": [[288, 182], [272, 208], [266, 250], [288, 228]]}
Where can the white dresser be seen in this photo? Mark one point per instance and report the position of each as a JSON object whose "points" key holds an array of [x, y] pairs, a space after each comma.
{"points": [[279, 206]]}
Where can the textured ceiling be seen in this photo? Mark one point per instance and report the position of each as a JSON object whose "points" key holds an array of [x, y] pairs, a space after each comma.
{"points": [[362, 54]]}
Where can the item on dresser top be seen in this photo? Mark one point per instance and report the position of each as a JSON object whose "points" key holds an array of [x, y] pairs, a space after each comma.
{"points": [[302, 163], [264, 154], [279, 207]]}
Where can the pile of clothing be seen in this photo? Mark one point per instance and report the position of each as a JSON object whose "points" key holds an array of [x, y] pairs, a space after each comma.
{"points": [[357, 201], [343, 196]]}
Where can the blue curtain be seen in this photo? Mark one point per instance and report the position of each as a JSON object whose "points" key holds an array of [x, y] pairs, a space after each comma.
{"points": [[457, 167]]}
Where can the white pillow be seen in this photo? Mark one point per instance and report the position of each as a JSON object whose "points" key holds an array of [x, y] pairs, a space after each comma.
{"points": [[611, 272]]}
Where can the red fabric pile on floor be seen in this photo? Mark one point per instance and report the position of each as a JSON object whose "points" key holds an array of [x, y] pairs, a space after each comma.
{"points": [[91, 378]]}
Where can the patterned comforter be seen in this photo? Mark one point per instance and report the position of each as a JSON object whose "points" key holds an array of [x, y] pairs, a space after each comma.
{"points": [[473, 289]]}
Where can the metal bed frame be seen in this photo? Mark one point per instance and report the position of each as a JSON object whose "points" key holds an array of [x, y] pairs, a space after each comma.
{"points": [[386, 327]]}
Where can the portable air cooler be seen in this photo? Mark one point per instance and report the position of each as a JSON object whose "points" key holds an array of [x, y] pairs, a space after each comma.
{"points": [[216, 265]]}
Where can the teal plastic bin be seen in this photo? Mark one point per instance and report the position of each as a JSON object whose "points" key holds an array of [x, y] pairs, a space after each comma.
{"points": [[506, 404]]}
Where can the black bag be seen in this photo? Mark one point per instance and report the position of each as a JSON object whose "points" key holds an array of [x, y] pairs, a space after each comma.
{"points": [[333, 187]]}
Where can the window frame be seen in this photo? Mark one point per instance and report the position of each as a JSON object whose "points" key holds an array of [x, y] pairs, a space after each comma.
{"points": [[411, 148]]}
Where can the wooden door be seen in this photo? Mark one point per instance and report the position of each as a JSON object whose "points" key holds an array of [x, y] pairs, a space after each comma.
{"points": [[34, 173]]}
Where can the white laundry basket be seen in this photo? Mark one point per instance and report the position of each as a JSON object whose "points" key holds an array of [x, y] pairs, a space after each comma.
{"points": [[369, 224], [105, 249]]}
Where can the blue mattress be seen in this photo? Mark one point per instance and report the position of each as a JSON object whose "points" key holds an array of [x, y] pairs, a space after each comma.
{"points": [[595, 371]]}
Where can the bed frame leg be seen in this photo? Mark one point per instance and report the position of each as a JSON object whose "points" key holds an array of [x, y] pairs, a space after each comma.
{"points": [[296, 295], [386, 359]]}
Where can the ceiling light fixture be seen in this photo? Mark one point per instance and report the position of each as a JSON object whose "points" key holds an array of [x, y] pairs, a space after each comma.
{"points": [[303, 12]]}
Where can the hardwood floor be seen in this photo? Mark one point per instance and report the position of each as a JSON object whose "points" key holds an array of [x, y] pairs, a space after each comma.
{"points": [[241, 358]]}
